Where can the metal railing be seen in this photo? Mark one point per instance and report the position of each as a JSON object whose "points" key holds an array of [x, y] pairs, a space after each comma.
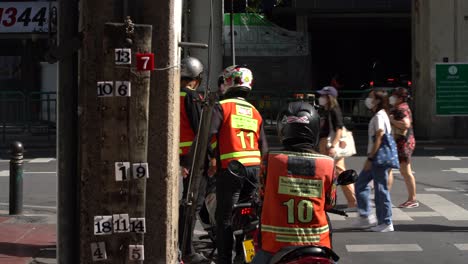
{"points": [[351, 102], [31, 113]]}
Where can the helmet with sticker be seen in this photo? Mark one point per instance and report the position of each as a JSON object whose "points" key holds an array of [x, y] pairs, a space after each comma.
{"points": [[299, 122]]}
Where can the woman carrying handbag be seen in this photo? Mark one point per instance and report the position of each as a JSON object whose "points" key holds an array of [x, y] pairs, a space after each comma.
{"points": [[332, 137], [381, 157]]}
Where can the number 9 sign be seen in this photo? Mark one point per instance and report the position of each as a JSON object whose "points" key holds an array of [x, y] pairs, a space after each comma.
{"points": [[145, 61]]}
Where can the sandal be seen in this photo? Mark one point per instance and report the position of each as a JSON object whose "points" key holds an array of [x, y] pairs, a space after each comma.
{"points": [[409, 204]]}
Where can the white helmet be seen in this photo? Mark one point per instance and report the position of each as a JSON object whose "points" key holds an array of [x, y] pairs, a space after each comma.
{"points": [[237, 77]]}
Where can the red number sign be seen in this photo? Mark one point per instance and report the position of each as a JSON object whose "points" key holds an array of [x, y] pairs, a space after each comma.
{"points": [[145, 61]]}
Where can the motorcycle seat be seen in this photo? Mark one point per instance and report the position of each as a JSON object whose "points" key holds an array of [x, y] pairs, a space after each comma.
{"points": [[291, 253]]}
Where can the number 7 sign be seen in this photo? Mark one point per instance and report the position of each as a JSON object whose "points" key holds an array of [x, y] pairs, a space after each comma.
{"points": [[145, 61]]}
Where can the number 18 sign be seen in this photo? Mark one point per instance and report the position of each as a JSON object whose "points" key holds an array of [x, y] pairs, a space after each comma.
{"points": [[145, 61]]}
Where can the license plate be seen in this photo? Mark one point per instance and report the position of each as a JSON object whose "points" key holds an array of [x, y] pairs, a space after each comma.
{"points": [[249, 250]]}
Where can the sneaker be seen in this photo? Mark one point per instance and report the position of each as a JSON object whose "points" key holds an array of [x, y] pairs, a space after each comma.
{"points": [[409, 204], [365, 222], [382, 228]]}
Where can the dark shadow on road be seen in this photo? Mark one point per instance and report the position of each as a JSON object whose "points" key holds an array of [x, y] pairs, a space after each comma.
{"points": [[412, 228], [430, 228], [20, 250]]}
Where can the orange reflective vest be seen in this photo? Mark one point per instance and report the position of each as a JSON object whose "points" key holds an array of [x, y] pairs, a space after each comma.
{"points": [[186, 132], [293, 211], [239, 133]]}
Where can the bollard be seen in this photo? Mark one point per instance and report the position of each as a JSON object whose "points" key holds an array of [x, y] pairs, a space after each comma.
{"points": [[16, 178]]}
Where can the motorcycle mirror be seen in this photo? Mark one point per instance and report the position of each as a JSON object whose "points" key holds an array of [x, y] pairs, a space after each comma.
{"points": [[236, 168], [347, 177]]}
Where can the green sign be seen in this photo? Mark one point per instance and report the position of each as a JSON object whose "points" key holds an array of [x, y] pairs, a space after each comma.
{"points": [[451, 89]]}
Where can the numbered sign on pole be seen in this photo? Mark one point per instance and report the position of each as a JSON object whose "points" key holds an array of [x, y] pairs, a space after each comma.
{"points": [[136, 252], [145, 61], [123, 56], [103, 225], [121, 223], [98, 251], [105, 89], [122, 88], [138, 225], [140, 170], [122, 171]]}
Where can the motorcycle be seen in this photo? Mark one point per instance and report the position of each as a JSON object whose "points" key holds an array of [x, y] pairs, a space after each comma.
{"points": [[244, 216], [314, 254], [245, 223]]}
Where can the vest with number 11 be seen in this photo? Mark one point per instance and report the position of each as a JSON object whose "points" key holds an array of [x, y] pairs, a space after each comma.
{"points": [[239, 133]]}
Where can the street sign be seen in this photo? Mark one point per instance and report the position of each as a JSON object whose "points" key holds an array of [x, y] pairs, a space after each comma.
{"points": [[28, 17], [451, 89]]}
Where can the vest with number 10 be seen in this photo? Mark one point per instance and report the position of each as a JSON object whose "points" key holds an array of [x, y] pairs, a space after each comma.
{"points": [[293, 211], [239, 133]]}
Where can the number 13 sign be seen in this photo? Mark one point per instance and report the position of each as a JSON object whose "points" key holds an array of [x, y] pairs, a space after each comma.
{"points": [[145, 61]]}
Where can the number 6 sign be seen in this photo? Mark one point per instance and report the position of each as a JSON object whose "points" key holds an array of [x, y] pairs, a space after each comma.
{"points": [[145, 61]]}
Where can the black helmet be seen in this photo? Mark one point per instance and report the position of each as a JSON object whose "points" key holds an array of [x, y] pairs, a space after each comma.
{"points": [[298, 123], [191, 68]]}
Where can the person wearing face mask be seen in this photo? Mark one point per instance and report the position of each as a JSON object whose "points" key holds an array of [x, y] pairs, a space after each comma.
{"points": [[377, 102], [331, 131], [401, 120]]}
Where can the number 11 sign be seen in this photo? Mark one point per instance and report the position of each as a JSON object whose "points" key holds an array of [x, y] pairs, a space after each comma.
{"points": [[145, 61]]}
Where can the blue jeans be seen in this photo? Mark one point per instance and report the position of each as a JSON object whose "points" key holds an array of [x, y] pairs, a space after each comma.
{"points": [[383, 203]]}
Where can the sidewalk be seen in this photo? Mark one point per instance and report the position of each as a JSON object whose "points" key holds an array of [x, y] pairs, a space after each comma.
{"points": [[27, 239]]}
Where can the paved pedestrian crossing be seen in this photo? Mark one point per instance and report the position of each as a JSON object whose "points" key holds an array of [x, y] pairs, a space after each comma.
{"points": [[439, 206]]}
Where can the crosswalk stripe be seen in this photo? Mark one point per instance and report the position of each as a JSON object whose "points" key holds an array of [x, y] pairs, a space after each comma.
{"points": [[444, 207], [462, 246], [457, 170], [446, 158], [41, 160], [438, 190], [400, 215], [383, 248], [423, 214]]}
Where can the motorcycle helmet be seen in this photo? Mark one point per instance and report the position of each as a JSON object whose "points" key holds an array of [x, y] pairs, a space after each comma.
{"points": [[237, 78], [347, 177], [191, 68], [299, 122]]}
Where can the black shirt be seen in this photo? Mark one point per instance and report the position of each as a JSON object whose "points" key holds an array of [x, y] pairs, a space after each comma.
{"points": [[336, 120]]}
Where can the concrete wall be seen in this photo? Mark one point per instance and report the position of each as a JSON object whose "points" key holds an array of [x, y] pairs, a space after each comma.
{"points": [[440, 30]]}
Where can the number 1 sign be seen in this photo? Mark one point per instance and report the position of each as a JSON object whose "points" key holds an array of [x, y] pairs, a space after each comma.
{"points": [[145, 61]]}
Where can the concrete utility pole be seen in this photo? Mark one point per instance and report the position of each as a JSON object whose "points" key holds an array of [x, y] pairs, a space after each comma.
{"points": [[163, 187], [67, 138], [114, 99]]}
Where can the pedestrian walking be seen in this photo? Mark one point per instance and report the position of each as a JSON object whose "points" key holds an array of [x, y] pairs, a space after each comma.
{"points": [[379, 125], [331, 134], [191, 77], [402, 126], [238, 128]]}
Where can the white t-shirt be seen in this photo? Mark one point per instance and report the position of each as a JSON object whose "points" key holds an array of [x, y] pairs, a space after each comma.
{"points": [[379, 121]]}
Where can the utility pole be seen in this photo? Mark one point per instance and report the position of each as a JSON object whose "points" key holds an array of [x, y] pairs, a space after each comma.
{"points": [[114, 99], [163, 187], [233, 35], [67, 138]]}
